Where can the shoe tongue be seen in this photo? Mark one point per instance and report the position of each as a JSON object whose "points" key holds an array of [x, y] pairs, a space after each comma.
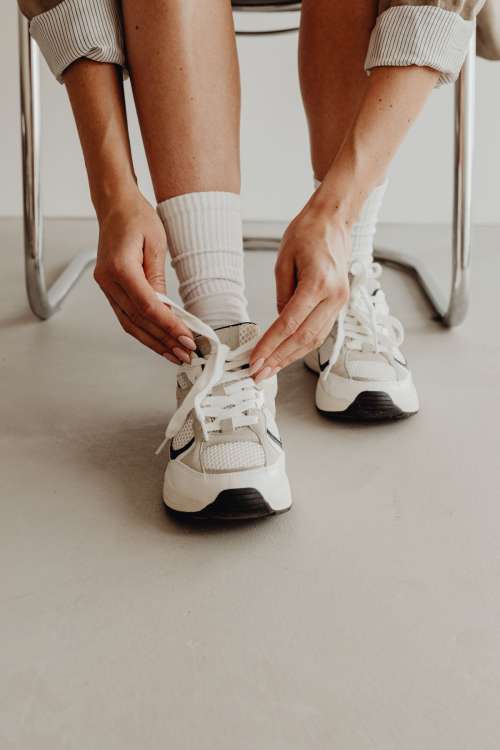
{"points": [[232, 336], [371, 282]]}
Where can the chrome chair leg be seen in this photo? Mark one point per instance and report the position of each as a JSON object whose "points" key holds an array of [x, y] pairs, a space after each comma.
{"points": [[450, 310], [268, 8], [43, 301]]}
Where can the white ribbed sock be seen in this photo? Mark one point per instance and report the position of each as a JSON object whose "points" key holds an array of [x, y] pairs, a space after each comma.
{"points": [[363, 231], [205, 240]]}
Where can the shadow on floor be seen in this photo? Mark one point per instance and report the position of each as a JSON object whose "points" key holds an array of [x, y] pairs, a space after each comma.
{"points": [[127, 457]]}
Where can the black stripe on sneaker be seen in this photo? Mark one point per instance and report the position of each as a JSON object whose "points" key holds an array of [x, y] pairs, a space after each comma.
{"points": [[324, 364], [276, 440], [176, 453], [234, 325]]}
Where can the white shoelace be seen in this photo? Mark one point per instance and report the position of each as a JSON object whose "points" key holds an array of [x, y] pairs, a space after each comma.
{"points": [[221, 366], [365, 322]]}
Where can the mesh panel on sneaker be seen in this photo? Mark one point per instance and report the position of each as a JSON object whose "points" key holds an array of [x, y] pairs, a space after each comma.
{"points": [[233, 336], [231, 456], [248, 332], [185, 434]]}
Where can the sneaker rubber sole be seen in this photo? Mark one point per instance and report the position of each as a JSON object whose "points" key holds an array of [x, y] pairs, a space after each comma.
{"points": [[366, 406], [232, 505], [369, 406]]}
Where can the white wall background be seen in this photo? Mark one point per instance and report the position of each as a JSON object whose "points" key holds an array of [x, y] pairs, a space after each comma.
{"points": [[276, 170]]}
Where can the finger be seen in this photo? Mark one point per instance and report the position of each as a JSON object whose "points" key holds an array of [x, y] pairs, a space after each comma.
{"points": [[285, 283], [302, 303], [150, 328], [134, 283], [140, 334], [289, 356], [316, 328], [181, 350], [307, 337]]}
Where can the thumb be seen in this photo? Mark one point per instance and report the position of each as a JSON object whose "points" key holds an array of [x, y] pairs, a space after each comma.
{"points": [[154, 264]]}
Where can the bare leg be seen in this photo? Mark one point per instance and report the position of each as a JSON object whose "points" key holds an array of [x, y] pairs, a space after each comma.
{"points": [[333, 44], [184, 72], [357, 124], [185, 77]]}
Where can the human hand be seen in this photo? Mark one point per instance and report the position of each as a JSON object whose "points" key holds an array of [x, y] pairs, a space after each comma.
{"points": [[312, 286], [130, 269]]}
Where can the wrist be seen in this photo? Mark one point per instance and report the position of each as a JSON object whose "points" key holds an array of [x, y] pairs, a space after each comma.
{"points": [[328, 228], [341, 196], [348, 182], [333, 207], [110, 194]]}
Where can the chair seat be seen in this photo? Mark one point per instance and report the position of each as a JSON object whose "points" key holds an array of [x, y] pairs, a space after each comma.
{"points": [[278, 4]]}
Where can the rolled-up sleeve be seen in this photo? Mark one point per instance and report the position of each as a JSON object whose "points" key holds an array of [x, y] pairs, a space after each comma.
{"points": [[74, 29], [432, 34]]}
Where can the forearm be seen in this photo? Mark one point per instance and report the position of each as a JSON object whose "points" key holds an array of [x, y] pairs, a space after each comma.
{"points": [[131, 252], [96, 95], [393, 99]]}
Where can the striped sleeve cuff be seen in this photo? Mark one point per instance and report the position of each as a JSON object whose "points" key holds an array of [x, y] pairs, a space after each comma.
{"points": [[79, 28], [420, 35]]}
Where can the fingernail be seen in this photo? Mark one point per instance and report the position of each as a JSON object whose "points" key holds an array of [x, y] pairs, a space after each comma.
{"points": [[263, 374], [181, 354], [170, 358], [187, 342], [256, 366]]}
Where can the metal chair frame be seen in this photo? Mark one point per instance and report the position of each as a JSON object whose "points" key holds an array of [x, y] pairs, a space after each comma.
{"points": [[450, 309]]}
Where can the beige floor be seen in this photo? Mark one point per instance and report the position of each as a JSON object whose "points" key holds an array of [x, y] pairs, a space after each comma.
{"points": [[368, 618]]}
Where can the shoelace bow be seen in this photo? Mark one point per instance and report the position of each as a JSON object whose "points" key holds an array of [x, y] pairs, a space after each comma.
{"points": [[222, 366], [365, 320]]}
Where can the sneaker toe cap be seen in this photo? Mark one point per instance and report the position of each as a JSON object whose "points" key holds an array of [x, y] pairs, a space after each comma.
{"points": [[378, 370]]}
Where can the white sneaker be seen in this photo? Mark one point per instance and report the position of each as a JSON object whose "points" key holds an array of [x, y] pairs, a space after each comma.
{"points": [[226, 456], [362, 373]]}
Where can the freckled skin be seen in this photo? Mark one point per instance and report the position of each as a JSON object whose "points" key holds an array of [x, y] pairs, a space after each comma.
{"points": [[190, 127], [356, 124], [187, 94]]}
